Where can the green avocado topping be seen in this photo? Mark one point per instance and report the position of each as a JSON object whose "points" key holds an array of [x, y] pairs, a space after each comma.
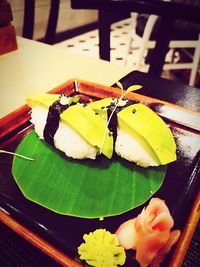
{"points": [[81, 118], [90, 126], [150, 130]]}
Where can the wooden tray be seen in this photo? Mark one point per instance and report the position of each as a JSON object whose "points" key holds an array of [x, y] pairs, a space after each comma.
{"points": [[58, 235]]}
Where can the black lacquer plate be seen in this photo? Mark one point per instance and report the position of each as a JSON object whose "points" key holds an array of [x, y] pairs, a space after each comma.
{"points": [[65, 233]]}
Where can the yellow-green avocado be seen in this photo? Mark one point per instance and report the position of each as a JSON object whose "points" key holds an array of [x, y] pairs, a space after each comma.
{"points": [[82, 119], [99, 106], [150, 130], [146, 127], [45, 100]]}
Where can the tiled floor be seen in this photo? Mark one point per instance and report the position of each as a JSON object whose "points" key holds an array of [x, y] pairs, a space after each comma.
{"points": [[120, 40], [121, 51]]}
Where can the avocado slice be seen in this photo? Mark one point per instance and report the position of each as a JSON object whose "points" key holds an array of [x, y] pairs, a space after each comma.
{"points": [[47, 100], [90, 126], [42, 99], [81, 118], [150, 130], [98, 104], [99, 107]]}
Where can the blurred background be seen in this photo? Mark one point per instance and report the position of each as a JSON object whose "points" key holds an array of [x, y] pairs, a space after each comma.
{"points": [[77, 30]]}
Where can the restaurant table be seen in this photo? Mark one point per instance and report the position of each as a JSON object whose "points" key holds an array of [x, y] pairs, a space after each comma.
{"points": [[56, 67], [37, 67], [169, 11]]}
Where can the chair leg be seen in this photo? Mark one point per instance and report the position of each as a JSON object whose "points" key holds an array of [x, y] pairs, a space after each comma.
{"points": [[52, 22], [104, 34], [194, 69], [145, 39], [173, 50], [29, 17], [131, 34], [128, 51]]}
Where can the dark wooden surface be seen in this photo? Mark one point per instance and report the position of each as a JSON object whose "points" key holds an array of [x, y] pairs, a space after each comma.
{"points": [[187, 9], [169, 11], [164, 89], [15, 251]]}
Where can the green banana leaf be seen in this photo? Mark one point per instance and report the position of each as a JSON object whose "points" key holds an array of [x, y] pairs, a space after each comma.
{"points": [[82, 188]]}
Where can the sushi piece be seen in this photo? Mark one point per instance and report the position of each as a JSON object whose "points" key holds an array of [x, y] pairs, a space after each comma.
{"points": [[134, 131], [70, 126], [141, 135]]}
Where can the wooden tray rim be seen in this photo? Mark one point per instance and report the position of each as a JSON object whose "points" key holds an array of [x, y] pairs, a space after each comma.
{"points": [[16, 119]]}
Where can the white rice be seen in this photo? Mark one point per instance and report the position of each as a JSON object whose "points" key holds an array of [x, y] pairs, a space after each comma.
{"points": [[66, 138], [130, 149], [73, 145]]}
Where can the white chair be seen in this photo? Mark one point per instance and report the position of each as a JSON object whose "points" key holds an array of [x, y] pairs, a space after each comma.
{"points": [[143, 43]]}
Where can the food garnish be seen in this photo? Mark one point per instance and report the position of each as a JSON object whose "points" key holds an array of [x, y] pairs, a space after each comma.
{"points": [[113, 106], [101, 249], [15, 154], [149, 233]]}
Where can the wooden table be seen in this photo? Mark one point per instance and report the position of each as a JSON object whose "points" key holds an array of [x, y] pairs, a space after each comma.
{"points": [[36, 67], [168, 10]]}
